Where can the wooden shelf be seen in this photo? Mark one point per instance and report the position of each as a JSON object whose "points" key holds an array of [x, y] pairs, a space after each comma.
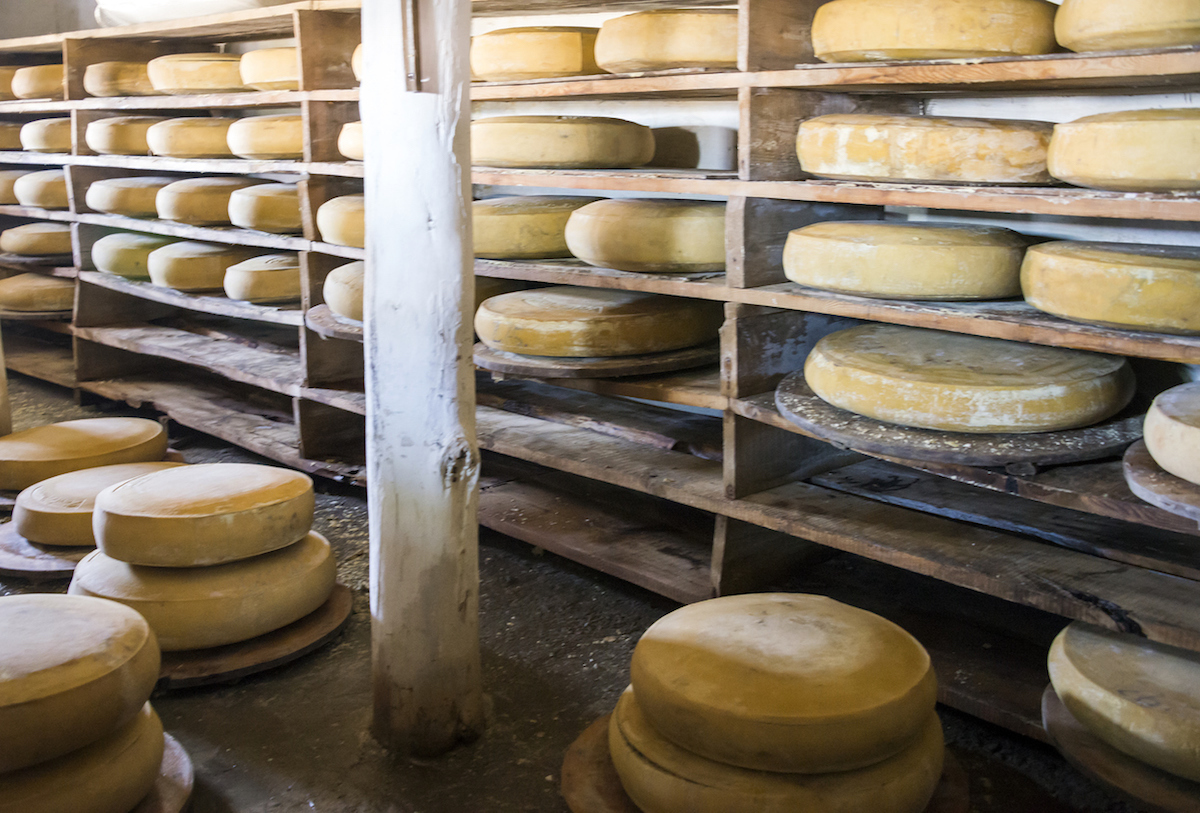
{"points": [[199, 103], [576, 272], [224, 166], [213, 304], [700, 387], [37, 356]]}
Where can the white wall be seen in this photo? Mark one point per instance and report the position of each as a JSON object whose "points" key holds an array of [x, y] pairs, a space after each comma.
{"points": [[24, 18]]}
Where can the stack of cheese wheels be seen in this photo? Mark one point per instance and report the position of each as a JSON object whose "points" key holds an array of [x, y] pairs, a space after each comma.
{"points": [[8, 179], [269, 207], [930, 379], [191, 138], [37, 454], [75, 677], [350, 141], [874, 30], [1172, 431], [264, 138], [271, 69], [568, 322], [1134, 694], [107, 79], [45, 189], [343, 290], [778, 702], [191, 266], [523, 227], [906, 260], [126, 254], [190, 74], [37, 240], [39, 82], [1130, 151], [536, 52], [1110, 25], [133, 196], [654, 235], [46, 135], [36, 293], [560, 142], [210, 554], [121, 135], [269, 278], [867, 147], [200, 201], [341, 221], [669, 38]]}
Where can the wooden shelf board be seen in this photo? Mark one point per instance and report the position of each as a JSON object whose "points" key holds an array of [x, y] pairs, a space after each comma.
{"points": [[348, 252], [210, 101], [345, 400], [576, 272], [700, 387], [48, 159], [210, 234], [59, 215], [224, 166], [216, 305], [36, 358]]}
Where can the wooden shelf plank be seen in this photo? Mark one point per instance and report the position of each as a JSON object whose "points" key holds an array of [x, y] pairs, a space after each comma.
{"points": [[700, 387], [576, 272], [345, 400], [240, 237], [155, 163], [37, 358], [201, 102], [31, 213], [216, 305]]}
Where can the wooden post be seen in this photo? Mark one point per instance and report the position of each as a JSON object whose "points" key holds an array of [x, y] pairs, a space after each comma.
{"points": [[423, 461]]}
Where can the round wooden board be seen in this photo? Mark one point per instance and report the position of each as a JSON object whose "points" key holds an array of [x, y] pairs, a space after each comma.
{"points": [[500, 361], [1147, 787], [223, 664], [590, 783], [23, 559], [1160, 488], [173, 790], [324, 322], [35, 316], [800, 405]]}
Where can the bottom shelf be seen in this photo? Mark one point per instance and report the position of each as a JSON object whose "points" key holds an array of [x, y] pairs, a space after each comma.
{"points": [[40, 354]]}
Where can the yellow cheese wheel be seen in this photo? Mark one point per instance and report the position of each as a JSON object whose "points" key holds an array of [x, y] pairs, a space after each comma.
{"points": [[126, 254], [341, 221], [1172, 431], [534, 52], [7, 72], [189, 74], [72, 671], [1110, 25], [46, 189], [271, 69], [191, 138], [121, 135], [201, 607], [270, 278], [37, 239], [343, 290], [560, 142], [523, 227], [1131, 151], [865, 147], [39, 82], [37, 454], [356, 62], [109, 776], [935, 380], [267, 137], [134, 196], [906, 260], [269, 207], [661, 777], [661, 39], [1137, 695], [107, 79], [350, 141], [10, 135], [488, 287], [873, 30], [8, 179], [655, 235], [35, 293], [574, 322], [189, 266], [200, 201], [47, 135]]}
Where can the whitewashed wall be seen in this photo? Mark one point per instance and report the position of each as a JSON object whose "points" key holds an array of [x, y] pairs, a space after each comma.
{"points": [[25, 18]]}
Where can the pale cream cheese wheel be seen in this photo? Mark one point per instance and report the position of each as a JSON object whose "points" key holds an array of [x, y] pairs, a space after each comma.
{"points": [[1137, 695], [200, 201], [653, 235], [36, 293], [868, 147], [662, 39], [343, 290], [72, 671], [565, 142], [133, 196], [109, 79], [1130, 151], [190, 74], [39, 82], [1112, 25], [45, 189], [202, 607], [191, 266], [906, 260], [126, 254], [876, 30], [572, 322], [270, 278], [7, 72], [357, 62], [10, 135], [350, 141], [946, 381], [523, 227], [1172, 431], [47, 135], [193, 137], [267, 137], [269, 207], [533, 52], [661, 777], [341, 221], [271, 69], [37, 239], [8, 179], [121, 135], [37, 454]]}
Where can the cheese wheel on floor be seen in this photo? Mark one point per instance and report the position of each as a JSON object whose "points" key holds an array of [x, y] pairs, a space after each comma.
{"points": [[47, 135], [36, 293], [661, 777], [1137, 695], [875, 30], [109, 776], [572, 322], [72, 671], [865, 147], [523, 227], [126, 254], [191, 138], [134, 196], [1113, 25], [45, 189], [350, 141], [1131, 151], [356, 62], [343, 290], [935, 380], [39, 82], [37, 454], [200, 201], [190, 74], [109, 79], [37, 240], [190, 266], [534, 52], [1172, 431], [270, 278], [653, 235], [566, 142], [8, 179], [269, 207], [267, 137], [121, 135], [7, 72], [341, 221], [202, 607], [662, 39], [906, 260], [271, 69]]}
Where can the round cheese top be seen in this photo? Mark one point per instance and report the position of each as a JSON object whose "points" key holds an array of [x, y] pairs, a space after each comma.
{"points": [[47, 451], [1181, 404], [203, 490], [880, 233], [1126, 255]]}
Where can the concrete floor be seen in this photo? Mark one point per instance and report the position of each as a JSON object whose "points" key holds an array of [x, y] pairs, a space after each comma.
{"points": [[556, 641]]}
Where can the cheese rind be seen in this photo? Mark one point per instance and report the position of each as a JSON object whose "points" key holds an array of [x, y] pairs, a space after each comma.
{"points": [[109, 79], [190, 266], [191, 138], [267, 137], [1111, 25], [270, 278], [199, 201], [271, 69], [1130, 151], [190, 74], [662, 39], [560, 142], [45, 189], [533, 52], [39, 82], [134, 196], [37, 239], [33, 293], [46, 135], [8, 179], [126, 254], [343, 290], [652, 235], [269, 207], [520, 227], [350, 141], [121, 135], [357, 61], [341, 221], [1172, 431]]}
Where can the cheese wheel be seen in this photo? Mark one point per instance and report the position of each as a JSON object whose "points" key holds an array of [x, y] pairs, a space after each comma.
{"points": [[37, 454], [126, 254], [906, 260], [560, 142], [10, 135], [534, 52], [350, 141], [874, 30], [1131, 151], [134, 196], [37, 239], [662, 39], [343, 290], [654, 235], [189, 74], [199, 201], [267, 137], [341, 221], [269, 207], [574, 322], [935, 380], [1111, 25], [488, 287], [271, 69], [1137, 695], [107, 79], [7, 72], [356, 62], [189, 266], [72, 671], [46, 189], [121, 135], [1172, 431], [864, 147], [661, 777], [34, 293], [47, 135], [191, 138], [523, 227], [8, 179], [39, 82], [202, 607], [270, 278]]}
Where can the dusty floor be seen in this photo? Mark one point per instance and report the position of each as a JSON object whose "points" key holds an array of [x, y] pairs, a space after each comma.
{"points": [[556, 643]]}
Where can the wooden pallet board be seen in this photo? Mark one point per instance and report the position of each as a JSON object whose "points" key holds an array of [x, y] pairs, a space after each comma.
{"points": [[201, 303]]}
